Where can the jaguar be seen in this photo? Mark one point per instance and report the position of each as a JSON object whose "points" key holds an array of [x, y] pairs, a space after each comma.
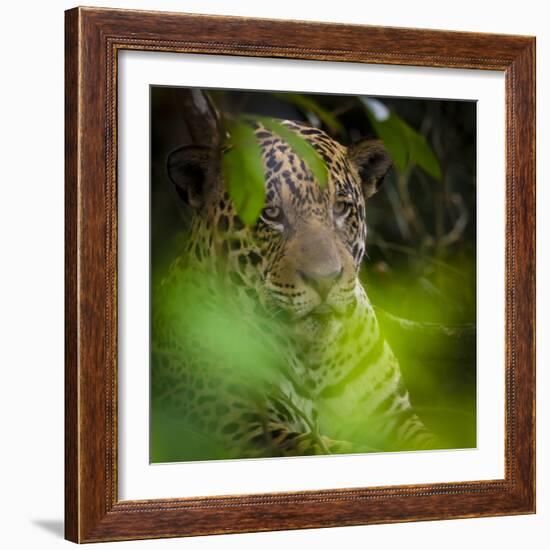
{"points": [[320, 377]]}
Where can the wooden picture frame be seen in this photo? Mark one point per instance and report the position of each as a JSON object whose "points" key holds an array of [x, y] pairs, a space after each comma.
{"points": [[93, 511]]}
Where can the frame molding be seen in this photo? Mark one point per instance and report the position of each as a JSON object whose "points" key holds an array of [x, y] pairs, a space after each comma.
{"points": [[93, 37]]}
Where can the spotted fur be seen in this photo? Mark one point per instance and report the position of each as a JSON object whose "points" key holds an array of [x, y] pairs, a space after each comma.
{"points": [[299, 264]]}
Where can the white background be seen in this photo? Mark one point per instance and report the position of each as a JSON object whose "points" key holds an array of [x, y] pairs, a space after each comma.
{"points": [[31, 229]]}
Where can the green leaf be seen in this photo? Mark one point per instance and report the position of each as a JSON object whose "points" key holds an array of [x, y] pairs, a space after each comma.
{"points": [[421, 153], [300, 146], [404, 144], [305, 104], [243, 172], [391, 132]]}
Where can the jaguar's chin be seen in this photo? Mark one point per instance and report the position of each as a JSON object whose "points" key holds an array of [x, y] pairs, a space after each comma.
{"points": [[326, 311], [312, 329], [314, 313]]}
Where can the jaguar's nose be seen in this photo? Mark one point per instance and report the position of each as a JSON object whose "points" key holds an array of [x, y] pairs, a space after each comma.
{"points": [[321, 281]]}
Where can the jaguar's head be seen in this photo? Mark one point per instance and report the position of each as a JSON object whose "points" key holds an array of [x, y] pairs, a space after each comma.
{"points": [[303, 255]]}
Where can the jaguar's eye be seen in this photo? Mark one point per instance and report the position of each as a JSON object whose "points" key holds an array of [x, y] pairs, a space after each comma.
{"points": [[341, 208], [272, 214]]}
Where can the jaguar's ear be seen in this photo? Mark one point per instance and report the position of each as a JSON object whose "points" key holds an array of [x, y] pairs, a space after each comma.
{"points": [[190, 169], [372, 162]]}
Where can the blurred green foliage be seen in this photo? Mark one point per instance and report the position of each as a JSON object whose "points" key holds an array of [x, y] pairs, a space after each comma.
{"points": [[421, 245], [243, 171], [249, 348], [233, 341]]}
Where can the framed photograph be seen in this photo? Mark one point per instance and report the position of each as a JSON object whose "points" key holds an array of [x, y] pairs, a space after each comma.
{"points": [[300, 275]]}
